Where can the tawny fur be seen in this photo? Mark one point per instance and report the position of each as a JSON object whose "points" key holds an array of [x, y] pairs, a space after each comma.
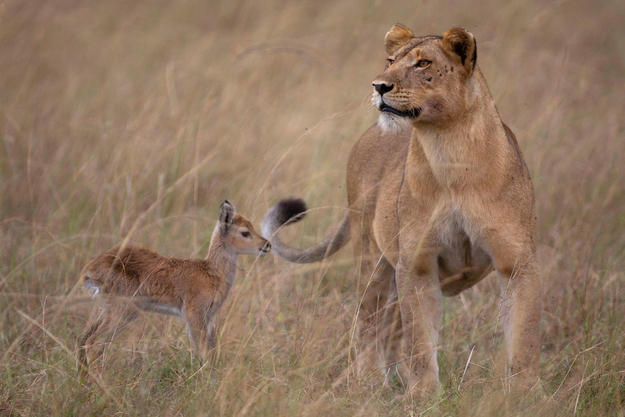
{"points": [[131, 279], [434, 209]]}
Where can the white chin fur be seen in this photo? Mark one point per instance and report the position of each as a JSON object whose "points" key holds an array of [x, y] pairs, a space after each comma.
{"points": [[392, 123]]}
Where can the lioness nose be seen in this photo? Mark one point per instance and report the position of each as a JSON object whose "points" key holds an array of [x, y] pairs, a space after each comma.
{"points": [[381, 87]]}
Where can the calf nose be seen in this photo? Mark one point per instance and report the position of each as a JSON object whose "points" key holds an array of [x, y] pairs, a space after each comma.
{"points": [[381, 87], [267, 247]]}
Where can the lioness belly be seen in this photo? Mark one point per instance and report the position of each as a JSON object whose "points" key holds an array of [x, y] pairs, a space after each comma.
{"points": [[462, 263], [461, 267]]}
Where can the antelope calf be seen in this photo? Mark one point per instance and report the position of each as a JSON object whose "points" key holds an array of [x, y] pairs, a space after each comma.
{"points": [[132, 279]]}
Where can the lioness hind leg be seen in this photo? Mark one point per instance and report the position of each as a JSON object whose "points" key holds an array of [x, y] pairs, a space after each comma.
{"points": [[391, 336], [373, 295]]}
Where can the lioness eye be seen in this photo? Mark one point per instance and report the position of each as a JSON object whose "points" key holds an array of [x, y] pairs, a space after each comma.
{"points": [[246, 234], [423, 63], [390, 61]]}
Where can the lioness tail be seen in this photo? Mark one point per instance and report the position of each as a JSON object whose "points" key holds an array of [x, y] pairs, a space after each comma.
{"points": [[291, 210]]}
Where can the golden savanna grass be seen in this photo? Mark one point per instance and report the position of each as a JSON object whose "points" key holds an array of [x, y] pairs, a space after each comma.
{"points": [[133, 120]]}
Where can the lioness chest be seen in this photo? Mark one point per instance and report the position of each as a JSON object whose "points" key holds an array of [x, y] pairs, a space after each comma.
{"points": [[460, 259], [400, 208]]}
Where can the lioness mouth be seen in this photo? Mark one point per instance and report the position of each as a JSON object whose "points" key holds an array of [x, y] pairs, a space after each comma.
{"points": [[408, 113]]}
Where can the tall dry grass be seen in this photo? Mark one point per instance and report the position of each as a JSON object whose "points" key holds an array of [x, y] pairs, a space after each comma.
{"points": [[136, 119]]}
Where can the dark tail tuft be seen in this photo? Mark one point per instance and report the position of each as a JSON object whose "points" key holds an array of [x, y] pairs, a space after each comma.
{"points": [[290, 210]]}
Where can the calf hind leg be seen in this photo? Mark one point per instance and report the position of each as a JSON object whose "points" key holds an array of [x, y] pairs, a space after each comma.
{"points": [[105, 327], [85, 342]]}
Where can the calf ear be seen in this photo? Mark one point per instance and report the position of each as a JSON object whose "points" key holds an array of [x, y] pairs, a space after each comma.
{"points": [[398, 36], [226, 214], [462, 43]]}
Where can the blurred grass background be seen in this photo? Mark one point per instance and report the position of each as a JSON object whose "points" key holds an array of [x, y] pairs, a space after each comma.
{"points": [[137, 119]]}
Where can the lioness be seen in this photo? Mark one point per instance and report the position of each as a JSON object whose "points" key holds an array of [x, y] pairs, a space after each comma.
{"points": [[439, 195]]}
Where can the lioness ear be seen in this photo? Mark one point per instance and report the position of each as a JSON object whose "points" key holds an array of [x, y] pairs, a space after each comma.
{"points": [[226, 214], [398, 36], [462, 43]]}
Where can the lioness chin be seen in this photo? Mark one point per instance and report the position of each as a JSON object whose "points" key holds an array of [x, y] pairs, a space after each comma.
{"points": [[433, 209]]}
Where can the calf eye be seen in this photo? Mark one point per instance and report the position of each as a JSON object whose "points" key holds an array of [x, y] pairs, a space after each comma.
{"points": [[246, 234]]}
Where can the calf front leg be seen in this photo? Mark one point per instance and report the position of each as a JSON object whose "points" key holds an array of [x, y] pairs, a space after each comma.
{"points": [[200, 319]]}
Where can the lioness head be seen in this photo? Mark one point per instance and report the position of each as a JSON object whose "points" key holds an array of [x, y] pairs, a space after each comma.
{"points": [[426, 78]]}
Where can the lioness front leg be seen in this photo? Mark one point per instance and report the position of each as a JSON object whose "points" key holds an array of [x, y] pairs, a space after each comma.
{"points": [[420, 303], [520, 286]]}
